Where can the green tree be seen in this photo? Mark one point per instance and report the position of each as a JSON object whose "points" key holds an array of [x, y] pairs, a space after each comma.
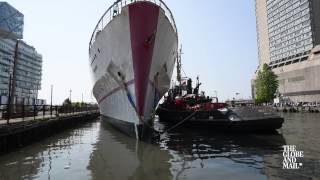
{"points": [[66, 102], [266, 85]]}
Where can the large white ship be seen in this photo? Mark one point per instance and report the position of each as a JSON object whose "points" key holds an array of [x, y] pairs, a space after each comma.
{"points": [[132, 54]]}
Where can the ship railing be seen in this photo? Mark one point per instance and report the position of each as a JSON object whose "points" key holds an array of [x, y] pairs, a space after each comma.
{"points": [[116, 9]]}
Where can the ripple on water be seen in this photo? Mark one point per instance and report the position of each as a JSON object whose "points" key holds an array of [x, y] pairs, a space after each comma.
{"points": [[98, 151]]}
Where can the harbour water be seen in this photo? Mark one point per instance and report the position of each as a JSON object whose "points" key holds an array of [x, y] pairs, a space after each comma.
{"points": [[98, 151]]}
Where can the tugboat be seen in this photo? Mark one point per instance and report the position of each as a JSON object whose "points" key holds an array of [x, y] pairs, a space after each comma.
{"points": [[185, 105]]}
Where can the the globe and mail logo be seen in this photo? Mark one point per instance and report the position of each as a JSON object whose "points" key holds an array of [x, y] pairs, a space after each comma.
{"points": [[291, 157]]}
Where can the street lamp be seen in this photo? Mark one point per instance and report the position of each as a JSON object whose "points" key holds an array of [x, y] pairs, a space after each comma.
{"points": [[37, 91], [51, 100], [237, 95], [216, 92], [51, 95], [70, 95]]}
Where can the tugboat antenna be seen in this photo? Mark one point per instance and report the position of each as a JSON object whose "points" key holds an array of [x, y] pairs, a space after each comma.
{"points": [[179, 66], [179, 70]]}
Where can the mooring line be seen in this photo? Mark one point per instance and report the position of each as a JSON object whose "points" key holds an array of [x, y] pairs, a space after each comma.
{"points": [[179, 123]]}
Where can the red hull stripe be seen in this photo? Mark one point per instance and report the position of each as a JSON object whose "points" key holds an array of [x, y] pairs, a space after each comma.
{"points": [[143, 18]]}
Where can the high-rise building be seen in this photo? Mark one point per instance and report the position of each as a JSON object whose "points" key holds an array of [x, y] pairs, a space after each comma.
{"points": [[28, 71], [11, 21], [20, 63], [288, 32]]}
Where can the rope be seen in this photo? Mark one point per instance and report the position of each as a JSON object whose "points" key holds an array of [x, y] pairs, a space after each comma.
{"points": [[179, 123]]}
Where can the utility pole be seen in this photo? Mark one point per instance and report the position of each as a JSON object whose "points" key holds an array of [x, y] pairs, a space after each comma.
{"points": [[13, 79], [9, 99]]}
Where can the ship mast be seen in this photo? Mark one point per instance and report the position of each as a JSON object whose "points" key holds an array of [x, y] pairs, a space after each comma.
{"points": [[179, 70], [179, 66]]}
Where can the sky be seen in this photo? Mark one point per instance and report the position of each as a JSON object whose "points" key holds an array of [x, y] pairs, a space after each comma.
{"points": [[218, 39]]}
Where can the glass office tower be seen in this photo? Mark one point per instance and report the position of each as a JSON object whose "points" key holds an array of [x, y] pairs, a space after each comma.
{"points": [[20, 63], [11, 22]]}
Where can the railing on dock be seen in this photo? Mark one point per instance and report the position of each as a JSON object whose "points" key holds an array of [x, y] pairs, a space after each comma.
{"points": [[116, 9], [22, 113]]}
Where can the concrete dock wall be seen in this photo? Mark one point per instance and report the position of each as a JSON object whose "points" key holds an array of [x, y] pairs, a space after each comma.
{"points": [[17, 135]]}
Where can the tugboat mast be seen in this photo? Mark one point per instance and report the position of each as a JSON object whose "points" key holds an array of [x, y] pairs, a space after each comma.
{"points": [[179, 66], [179, 71]]}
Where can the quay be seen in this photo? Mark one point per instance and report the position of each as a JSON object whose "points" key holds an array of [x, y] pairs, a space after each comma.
{"points": [[286, 107], [297, 109], [26, 128]]}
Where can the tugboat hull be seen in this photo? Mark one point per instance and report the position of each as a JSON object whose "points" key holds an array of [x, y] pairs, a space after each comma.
{"points": [[243, 119]]}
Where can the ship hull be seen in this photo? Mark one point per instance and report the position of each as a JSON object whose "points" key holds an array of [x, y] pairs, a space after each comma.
{"points": [[138, 131], [132, 60]]}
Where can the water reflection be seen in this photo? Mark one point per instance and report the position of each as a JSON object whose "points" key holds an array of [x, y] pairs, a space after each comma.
{"points": [[53, 158], [98, 151], [212, 155], [183, 154], [117, 156]]}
